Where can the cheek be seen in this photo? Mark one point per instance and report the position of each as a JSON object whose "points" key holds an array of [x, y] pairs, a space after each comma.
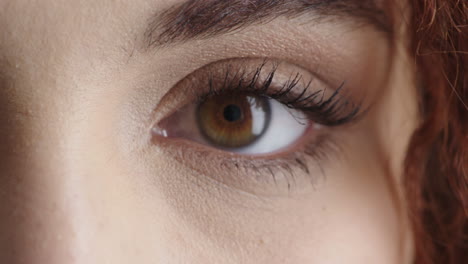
{"points": [[362, 218], [349, 217]]}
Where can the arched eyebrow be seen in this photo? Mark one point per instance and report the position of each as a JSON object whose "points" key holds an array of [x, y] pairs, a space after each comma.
{"points": [[195, 19]]}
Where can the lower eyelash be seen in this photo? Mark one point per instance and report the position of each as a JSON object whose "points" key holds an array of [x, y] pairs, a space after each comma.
{"points": [[307, 161], [305, 165]]}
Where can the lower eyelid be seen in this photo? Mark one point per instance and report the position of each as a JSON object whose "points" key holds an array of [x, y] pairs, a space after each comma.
{"points": [[296, 170]]}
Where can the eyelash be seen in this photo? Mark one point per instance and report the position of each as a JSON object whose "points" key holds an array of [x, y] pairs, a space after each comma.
{"points": [[332, 111]]}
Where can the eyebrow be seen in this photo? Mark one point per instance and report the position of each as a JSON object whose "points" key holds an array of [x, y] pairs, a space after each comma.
{"points": [[201, 19]]}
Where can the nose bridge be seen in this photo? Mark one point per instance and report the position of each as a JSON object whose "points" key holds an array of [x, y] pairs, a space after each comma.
{"points": [[39, 193], [51, 202]]}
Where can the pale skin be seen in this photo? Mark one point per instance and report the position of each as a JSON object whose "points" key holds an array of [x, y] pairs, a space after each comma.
{"points": [[83, 179]]}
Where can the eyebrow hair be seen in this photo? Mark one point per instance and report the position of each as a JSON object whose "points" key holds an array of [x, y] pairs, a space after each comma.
{"points": [[199, 19]]}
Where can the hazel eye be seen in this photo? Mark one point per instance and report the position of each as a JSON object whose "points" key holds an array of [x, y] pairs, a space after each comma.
{"points": [[237, 122], [233, 121]]}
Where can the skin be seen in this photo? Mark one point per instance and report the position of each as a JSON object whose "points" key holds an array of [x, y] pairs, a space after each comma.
{"points": [[82, 180]]}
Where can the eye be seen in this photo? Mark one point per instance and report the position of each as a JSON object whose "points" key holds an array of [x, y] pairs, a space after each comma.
{"points": [[238, 122], [249, 113]]}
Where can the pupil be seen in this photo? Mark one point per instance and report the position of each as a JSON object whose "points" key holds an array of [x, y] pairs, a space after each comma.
{"points": [[232, 113]]}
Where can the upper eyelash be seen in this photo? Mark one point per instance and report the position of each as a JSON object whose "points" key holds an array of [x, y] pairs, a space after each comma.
{"points": [[332, 111]]}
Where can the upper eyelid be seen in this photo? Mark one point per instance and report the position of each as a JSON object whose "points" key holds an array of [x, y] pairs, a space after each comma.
{"points": [[244, 74], [324, 106]]}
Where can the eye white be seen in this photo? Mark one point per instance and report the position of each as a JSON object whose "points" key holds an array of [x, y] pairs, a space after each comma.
{"points": [[285, 127]]}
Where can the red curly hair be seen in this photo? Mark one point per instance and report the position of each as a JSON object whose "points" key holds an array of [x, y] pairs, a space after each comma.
{"points": [[437, 162]]}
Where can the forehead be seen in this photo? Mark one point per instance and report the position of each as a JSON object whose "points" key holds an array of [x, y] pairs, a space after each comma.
{"points": [[51, 48], [72, 36], [34, 27]]}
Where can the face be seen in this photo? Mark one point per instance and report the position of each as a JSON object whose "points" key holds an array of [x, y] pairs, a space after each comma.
{"points": [[213, 131]]}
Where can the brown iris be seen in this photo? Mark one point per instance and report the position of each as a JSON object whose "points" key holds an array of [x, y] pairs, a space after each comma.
{"points": [[233, 120]]}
